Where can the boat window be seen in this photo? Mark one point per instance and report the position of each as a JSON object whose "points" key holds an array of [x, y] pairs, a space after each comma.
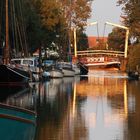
{"points": [[28, 62], [16, 61]]}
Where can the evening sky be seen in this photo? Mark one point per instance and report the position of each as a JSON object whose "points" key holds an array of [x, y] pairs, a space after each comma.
{"points": [[102, 11]]}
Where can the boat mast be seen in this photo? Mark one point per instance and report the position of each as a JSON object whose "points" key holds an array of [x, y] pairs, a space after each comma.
{"points": [[6, 50]]}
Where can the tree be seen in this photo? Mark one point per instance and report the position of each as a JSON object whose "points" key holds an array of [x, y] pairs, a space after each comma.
{"points": [[131, 17], [134, 58], [82, 41], [116, 39], [57, 18], [43, 21]]}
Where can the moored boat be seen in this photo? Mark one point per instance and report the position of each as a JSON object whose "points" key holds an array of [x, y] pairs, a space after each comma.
{"points": [[13, 76], [30, 65], [10, 75], [67, 69], [76, 68], [56, 72], [17, 123], [83, 69]]}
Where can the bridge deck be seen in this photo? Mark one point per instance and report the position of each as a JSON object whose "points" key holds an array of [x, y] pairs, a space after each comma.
{"points": [[100, 53]]}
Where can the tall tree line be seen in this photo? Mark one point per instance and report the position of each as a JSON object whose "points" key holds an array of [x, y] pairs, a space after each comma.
{"points": [[41, 22], [131, 18]]}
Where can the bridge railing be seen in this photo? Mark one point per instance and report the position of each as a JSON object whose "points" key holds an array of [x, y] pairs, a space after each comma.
{"points": [[100, 52]]}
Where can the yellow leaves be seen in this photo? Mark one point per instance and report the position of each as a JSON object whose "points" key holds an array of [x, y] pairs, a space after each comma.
{"points": [[134, 56], [50, 13]]}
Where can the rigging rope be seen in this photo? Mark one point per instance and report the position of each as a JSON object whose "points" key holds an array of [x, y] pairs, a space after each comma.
{"points": [[19, 40], [23, 27], [14, 28], [1, 25]]}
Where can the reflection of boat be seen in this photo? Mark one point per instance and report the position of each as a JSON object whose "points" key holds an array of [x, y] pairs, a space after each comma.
{"points": [[56, 81], [67, 80], [25, 98], [7, 91], [16, 123], [133, 75]]}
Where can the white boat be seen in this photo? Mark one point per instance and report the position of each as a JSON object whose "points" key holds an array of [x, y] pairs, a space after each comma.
{"points": [[46, 75], [28, 64], [76, 69], [67, 69], [56, 72]]}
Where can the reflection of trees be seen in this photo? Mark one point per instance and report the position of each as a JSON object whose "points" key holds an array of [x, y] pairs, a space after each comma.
{"points": [[111, 93], [112, 88], [132, 132], [51, 112], [55, 118], [101, 86]]}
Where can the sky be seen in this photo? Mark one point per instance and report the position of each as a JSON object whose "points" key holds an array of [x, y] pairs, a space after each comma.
{"points": [[103, 11]]}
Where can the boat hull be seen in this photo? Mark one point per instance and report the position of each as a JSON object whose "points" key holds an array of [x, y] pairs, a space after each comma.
{"points": [[13, 76], [83, 69], [68, 72], [16, 123], [56, 73], [104, 66], [76, 69]]}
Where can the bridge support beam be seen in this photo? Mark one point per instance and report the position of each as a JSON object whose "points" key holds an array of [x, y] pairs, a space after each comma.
{"points": [[123, 64]]}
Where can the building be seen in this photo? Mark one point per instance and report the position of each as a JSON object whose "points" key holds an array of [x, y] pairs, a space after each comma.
{"points": [[95, 42]]}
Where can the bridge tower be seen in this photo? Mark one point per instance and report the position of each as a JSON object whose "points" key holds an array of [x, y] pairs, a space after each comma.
{"points": [[123, 61]]}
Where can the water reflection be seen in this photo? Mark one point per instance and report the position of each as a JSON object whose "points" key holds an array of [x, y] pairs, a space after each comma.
{"points": [[24, 98], [17, 114], [102, 106], [85, 109], [133, 111]]}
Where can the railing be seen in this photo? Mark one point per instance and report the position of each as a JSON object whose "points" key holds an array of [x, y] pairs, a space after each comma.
{"points": [[100, 52]]}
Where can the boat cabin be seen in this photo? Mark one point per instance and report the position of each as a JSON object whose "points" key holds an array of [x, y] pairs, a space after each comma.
{"points": [[31, 63]]}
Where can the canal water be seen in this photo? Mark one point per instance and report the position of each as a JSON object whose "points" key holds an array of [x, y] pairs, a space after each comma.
{"points": [[103, 105]]}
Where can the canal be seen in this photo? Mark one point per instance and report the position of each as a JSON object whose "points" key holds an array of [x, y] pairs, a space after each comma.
{"points": [[104, 105]]}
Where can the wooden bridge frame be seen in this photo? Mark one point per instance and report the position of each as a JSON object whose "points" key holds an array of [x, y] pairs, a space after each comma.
{"points": [[105, 52], [100, 52]]}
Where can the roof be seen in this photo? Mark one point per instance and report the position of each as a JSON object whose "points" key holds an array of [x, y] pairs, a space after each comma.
{"points": [[93, 41]]}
